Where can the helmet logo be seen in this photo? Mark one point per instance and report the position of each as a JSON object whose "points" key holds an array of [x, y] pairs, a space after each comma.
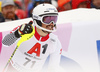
{"points": [[35, 17], [48, 9]]}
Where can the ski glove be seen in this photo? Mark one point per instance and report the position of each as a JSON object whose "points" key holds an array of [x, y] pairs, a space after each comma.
{"points": [[24, 29]]}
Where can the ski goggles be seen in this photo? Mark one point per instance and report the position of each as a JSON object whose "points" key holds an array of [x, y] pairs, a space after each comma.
{"points": [[49, 19]]}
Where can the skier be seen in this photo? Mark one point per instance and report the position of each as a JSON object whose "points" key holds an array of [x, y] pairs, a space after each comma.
{"points": [[32, 54]]}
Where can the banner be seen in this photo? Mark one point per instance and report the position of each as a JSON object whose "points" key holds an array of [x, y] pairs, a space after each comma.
{"points": [[0, 41], [79, 33]]}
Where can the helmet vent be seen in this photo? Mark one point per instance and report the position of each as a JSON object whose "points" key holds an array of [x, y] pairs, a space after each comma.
{"points": [[46, 11]]}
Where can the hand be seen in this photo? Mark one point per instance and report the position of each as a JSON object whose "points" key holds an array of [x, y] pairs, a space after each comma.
{"points": [[24, 29]]}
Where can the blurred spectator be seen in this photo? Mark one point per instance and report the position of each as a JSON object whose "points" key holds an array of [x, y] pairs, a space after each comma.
{"points": [[64, 5], [30, 8], [18, 3], [19, 12], [95, 4], [0, 5], [80, 4], [26, 2], [34, 4], [8, 10], [1, 18]]}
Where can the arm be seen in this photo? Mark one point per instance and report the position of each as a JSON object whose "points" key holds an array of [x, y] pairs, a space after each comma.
{"points": [[11, 38]]}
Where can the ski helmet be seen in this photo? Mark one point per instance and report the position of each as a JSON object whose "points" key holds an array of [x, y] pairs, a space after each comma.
{"points": [[45, 13]]}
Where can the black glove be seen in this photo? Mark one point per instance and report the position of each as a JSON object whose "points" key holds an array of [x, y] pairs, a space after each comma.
{"points": [[24, 29]]}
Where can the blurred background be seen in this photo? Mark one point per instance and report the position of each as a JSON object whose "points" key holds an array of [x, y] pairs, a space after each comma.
{"points": [[21, 9]]}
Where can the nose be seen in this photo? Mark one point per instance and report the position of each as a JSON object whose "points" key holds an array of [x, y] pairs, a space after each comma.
{"points": [[52, 23]]}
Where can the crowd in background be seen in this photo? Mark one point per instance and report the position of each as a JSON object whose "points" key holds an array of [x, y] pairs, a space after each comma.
{"points": [[20, 9]]}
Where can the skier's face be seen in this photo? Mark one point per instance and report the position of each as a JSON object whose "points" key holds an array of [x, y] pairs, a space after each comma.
{"points": [[49, 27]]}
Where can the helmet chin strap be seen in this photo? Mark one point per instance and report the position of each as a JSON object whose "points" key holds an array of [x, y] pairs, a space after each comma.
{"points": [[46, 32], [43, 29]]}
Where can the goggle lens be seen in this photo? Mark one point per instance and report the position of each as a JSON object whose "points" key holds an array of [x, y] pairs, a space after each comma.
{"points": [[49, 19]]}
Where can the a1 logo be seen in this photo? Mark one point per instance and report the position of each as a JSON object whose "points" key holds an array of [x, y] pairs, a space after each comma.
{"points": [[36, 49]]}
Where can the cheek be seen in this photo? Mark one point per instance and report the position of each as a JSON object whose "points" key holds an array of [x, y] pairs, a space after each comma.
{"points": [[43, 25], [4, 11], [13, 9]]}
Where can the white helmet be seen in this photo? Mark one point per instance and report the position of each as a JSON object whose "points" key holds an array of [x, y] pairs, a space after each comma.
{"points": [[45, 13]]}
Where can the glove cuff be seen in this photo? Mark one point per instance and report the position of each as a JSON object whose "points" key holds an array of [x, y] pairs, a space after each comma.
{"points": [[17, 34]]}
